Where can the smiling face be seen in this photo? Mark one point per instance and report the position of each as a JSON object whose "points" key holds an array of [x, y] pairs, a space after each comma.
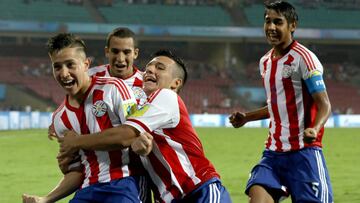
{"points": [[161, 73], [277, 29], [121, 54], [70, 67]]}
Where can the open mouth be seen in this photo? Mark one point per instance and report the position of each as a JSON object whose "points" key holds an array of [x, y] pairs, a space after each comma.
{"points": [[68, 83], [149, 79], [120, 66], [272, 35]]}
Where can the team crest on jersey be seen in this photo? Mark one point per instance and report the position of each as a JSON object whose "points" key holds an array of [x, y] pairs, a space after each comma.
{"points": [[138, 92], [99, 108], [287, 71]]}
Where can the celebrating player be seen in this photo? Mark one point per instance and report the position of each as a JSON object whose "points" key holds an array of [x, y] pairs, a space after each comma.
{"points": [[298, 107], [92, 104], [177, 164], [121, 50]]}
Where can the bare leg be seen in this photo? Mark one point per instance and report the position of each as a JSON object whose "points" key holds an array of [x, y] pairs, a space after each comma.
{"points": [[258, 194]]}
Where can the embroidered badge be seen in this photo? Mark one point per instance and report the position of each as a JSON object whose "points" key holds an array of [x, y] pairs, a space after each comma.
{"points": [[287, 71], [99, 108], [138, 92]]}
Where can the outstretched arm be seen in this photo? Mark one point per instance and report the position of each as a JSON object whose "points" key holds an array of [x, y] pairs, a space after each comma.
{"points": [[238, 119], [67, 185]]}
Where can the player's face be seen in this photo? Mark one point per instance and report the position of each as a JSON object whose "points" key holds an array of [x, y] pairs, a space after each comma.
{"points": [[159, 74], [121, 54], [70, 67], [278, 30]]}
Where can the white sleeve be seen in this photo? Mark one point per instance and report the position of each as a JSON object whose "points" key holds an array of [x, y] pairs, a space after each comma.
{"points": [[162, 111], [123, 100], [261, 68], [94, 70], [310, 66]]}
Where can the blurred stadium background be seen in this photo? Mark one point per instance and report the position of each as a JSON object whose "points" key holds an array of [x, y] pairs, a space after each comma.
{"points": [[221, 40]]}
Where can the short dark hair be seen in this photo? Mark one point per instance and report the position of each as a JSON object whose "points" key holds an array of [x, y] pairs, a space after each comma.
{"points": [[179, 62], [64, 40], [283, 8], [121, 32]]}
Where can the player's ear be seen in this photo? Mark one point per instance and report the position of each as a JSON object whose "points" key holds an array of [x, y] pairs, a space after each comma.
{"points": [[107, 50], [293, 26], [136, 53], [87, 63], [176, 84]]}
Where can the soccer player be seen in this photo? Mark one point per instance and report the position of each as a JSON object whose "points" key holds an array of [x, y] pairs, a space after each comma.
{"points": [[298, 107], [177, 164], [121, 50], [92, 104]]}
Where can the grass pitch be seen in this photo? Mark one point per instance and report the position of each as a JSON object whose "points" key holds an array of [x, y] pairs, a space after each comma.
{"points": [[28, 164]]}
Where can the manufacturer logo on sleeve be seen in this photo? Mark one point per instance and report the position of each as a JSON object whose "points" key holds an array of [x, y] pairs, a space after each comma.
{"points": [[99, 108]]}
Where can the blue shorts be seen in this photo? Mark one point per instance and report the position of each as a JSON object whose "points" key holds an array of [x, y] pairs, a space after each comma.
{"points": [[301, 174], [211, 191], [121, 190]]}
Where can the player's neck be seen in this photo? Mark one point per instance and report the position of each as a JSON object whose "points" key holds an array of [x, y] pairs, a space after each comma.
{"points": [[128, 74], [282, 49], [77, 99], [74, 101]]}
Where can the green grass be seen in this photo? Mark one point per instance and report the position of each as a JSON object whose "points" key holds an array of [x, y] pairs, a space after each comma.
{"points": [[28, 164]]}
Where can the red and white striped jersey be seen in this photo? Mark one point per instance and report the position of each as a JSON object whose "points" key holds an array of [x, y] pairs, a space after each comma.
{"points": [[290, 104], [177, 164], [108, 102], [135, 81]]}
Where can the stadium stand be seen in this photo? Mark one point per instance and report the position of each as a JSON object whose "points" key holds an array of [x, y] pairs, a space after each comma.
{"points": [[343, 97], [165, 14], [32, 74], [210, 89], [329, 14], [43, 11]]}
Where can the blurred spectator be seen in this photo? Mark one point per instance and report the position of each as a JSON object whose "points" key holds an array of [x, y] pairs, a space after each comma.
{"points": [[25, 69], [27, 108], [205, 104], [349, 110], [226, 103], [74, 2]]}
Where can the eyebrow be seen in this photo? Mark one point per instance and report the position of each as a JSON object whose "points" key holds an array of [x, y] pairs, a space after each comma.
{"points": [[62, 62], [155, 63]]}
